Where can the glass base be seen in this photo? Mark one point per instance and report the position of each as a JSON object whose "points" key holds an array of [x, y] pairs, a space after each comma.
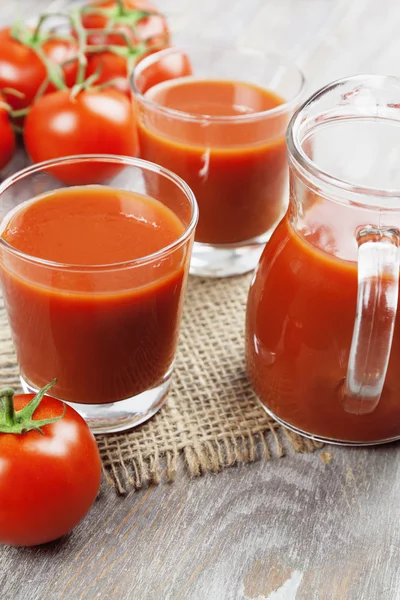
{"points": [[227, 260], [118, 416], [325, 440]]}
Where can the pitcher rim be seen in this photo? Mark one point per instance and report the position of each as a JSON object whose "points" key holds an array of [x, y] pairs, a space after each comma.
{"points": [[311, 170]]}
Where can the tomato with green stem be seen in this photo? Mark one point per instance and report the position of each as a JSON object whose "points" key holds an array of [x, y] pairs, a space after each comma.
{"points": [[113, 64], [137, 19], [62, 51], [110, 67], [50, 468], [7, 137], [25, 60], [81, 121]]}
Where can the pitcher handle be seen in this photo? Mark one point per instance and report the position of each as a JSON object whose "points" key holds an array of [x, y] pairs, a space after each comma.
{"points": [[378, 288]]}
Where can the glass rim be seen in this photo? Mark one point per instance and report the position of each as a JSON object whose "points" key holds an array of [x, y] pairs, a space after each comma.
{"points": [[153, 58], [311, 169], [109, 158]]}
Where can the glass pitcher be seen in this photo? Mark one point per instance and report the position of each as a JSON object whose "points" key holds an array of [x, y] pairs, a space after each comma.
{"points": [[322, 335]]}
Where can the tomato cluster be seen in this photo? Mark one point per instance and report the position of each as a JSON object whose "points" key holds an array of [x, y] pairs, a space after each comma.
{"points": [[67, 87]]}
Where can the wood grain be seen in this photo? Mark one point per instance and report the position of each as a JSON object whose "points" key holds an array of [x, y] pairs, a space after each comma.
{"points": [[303, 527], [297, 528]]}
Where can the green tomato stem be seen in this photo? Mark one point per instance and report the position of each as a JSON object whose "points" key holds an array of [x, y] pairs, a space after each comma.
{"points": [[19, 33], [11, 92], [76, 22], [74, 17], [17, 114], [55, 73], [6, 106], [36, 33], [123, 51], [7, 399], [21, 421], [121, 9]]}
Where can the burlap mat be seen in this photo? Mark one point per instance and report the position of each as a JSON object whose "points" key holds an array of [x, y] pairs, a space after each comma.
{"points": [[211, 417]]}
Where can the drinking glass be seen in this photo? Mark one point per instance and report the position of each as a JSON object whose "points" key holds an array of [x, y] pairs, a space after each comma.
{"points": [[232, 155], [107, 332]]}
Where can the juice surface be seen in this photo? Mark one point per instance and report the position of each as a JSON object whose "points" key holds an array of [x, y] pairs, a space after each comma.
{"points": [[92, 225], [236, 168], [300, 321], [105, 334]]}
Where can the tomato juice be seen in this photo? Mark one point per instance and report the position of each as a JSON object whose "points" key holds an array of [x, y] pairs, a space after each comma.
{"points": [[100, 317], [222, 139], [300, 320]]}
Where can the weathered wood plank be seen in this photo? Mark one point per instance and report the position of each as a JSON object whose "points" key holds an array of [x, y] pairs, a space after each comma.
{"points": [[363, 38], [312, 530]]}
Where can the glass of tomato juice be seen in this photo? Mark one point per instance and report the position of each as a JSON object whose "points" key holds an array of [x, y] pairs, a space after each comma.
{"points": [[217, 117], [323, 327], [93, 279]]}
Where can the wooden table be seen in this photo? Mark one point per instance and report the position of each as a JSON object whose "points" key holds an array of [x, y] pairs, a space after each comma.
{"points": [[296, 528]]}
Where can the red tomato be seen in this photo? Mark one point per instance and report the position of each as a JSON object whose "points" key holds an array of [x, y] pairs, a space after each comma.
{"points": [[92, 122], [109, 66], [152, 28], [7, 138], [115, 39], [168, 67], [60, 51], [48, 481], [22, 70]]}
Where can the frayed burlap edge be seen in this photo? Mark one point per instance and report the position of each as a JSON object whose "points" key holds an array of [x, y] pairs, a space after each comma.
{"points": [[212, 456]]}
